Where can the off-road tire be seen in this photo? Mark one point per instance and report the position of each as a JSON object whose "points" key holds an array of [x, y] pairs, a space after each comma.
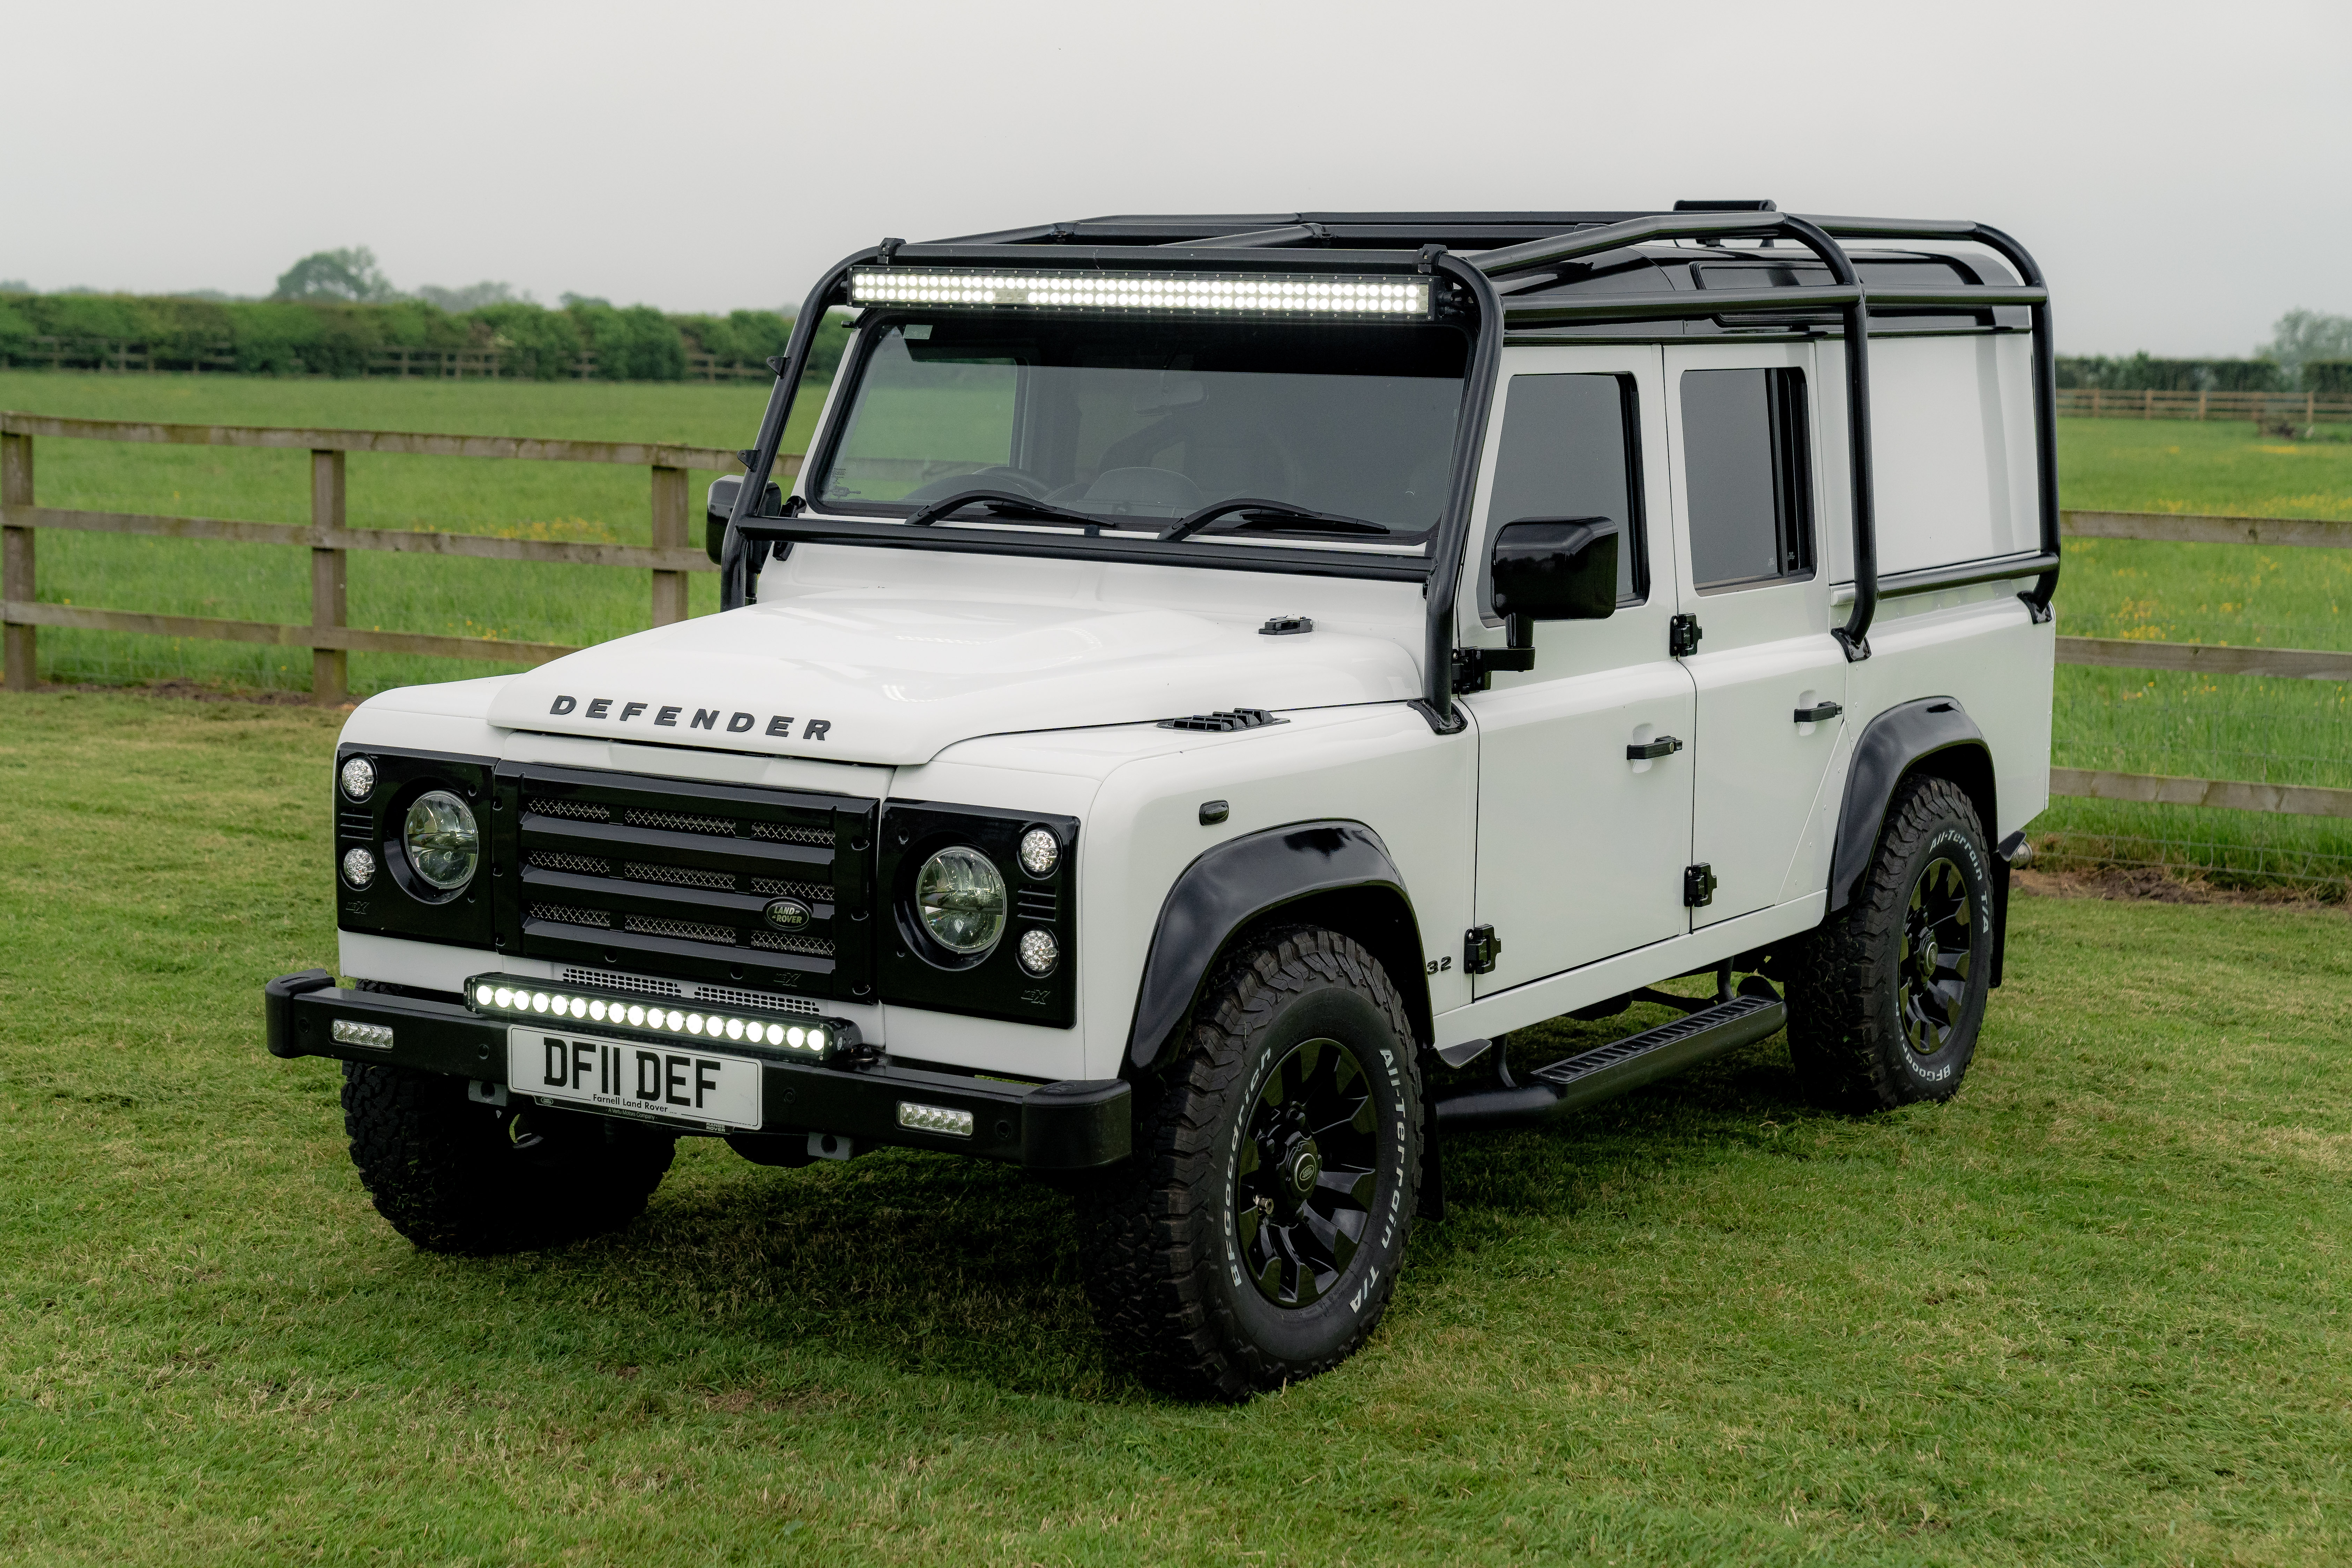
{"points": [[1161, 1238], [1851, 980], [452, 1175]]}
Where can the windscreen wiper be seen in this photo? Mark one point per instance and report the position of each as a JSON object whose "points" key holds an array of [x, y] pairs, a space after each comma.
{"points": [[1269, 514], [1003, 503]]}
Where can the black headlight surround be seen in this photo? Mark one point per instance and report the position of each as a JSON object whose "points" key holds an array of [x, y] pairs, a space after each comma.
{"points": [[917, 972], [399, 902]]}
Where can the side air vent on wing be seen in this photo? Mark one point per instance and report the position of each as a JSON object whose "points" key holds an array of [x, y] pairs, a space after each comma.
{"points": [[1224, 721]]}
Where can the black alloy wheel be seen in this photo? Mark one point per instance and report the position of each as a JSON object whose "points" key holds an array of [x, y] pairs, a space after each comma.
{"points": [[1887, 995], [1303, 1187], [1937, 937], [1255, 1238]]}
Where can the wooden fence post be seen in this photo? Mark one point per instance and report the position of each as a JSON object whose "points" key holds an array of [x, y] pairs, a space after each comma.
{"points": [[16, 562], [329, 667], [669, 534]]}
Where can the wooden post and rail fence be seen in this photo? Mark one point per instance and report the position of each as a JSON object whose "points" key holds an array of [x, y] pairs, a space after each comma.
{"points": [[673, 555]]}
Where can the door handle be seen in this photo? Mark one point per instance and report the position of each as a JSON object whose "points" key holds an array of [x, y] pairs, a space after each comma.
{"points": [[1817, 712], [1651, 751]]}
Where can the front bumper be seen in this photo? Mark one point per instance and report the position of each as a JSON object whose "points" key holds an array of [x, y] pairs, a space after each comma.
{"points": [[1070, 1126]]}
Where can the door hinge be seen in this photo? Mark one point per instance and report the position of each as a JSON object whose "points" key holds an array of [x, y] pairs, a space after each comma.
{"points": [[1479, 947], [1681, 636], [1699, 886]]}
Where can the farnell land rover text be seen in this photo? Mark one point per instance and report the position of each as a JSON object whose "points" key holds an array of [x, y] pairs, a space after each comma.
{"points": [[1211, 680]]}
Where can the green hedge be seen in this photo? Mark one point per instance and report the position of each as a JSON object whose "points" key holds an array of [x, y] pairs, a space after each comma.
{"points": [[2327, 378], [282, 338], [2144, 372]]}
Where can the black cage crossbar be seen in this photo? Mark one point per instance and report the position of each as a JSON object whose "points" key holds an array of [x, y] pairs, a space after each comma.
{"points": [[1407, 243], [2045, 353]]}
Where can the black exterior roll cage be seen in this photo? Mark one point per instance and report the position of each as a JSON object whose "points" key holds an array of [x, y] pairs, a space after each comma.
{"points": [[1507, 245]]}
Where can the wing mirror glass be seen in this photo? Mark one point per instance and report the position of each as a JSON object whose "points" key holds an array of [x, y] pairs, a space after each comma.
{"points": [[1556, 568], [720, 506]]}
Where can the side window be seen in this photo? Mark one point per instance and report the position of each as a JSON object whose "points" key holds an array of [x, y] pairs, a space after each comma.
{"points": [[1747, 460], [1571, 447]]}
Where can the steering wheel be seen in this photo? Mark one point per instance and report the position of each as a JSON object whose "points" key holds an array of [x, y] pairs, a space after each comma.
{"points": [[1001, 477]]}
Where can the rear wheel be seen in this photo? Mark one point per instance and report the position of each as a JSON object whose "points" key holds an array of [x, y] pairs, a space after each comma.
{"points": [[1255, 1238], [452, 1175], [1886, 996]]}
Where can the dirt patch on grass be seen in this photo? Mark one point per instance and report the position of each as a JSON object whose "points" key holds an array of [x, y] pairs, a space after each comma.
{"points": [[193, 691], [2162, 885]]}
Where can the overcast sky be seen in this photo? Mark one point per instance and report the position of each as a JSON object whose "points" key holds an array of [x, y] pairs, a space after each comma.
{"points": [[2177, 168]]}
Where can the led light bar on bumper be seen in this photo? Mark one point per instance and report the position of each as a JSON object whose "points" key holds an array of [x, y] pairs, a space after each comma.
{"points": [[499, 996], [1319, 294]]}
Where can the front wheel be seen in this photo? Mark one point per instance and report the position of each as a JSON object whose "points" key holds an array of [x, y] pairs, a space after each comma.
{"points": [[452, 1175], [1255, 1238], [1886, 996]]}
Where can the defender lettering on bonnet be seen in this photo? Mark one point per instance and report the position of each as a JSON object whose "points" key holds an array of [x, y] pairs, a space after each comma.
{"points": [[1487, 467], [739, 723]]}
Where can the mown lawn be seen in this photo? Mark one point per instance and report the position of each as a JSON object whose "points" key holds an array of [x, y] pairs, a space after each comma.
{"points": [[2091, 1311], [595, 503], [2229, 727]]}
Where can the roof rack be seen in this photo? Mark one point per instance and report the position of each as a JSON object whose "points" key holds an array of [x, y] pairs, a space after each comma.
{"points": [[1501, 244]]}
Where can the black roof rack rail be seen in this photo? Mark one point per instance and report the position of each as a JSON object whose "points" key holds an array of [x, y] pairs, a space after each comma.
{"points": [[2045, 355]]}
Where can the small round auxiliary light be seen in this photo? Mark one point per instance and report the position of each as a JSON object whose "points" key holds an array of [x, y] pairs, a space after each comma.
{"points": [[1039, 851], [359, 868], [359, 777], [1039, 952]]}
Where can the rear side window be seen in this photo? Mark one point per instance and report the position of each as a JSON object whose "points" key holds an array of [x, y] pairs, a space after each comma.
{"points": [[1746, 462], [1571, 448]]}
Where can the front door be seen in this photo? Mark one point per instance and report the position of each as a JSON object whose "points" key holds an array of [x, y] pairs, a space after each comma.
{"points": [[1744, 439], [1580, 849]]}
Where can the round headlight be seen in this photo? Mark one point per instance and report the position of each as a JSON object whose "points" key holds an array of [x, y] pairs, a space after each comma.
{"points": [[1039, 851], [442, 842], [959, 897], [359, 868], [1039, 953], [359, 777]]}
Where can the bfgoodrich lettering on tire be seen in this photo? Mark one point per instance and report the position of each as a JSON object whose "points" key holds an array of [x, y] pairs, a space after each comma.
{"points": [[1884, 999], [1255, 1238]]}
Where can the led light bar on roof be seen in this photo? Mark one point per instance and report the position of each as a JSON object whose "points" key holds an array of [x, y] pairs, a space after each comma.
{"points": [[1310, 294]]}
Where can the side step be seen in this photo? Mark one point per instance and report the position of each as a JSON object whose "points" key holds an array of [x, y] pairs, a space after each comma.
{"points": [[1613, 1069]]}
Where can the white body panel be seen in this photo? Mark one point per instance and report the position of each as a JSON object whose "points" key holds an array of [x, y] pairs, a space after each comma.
{"points": [[1765, 650], [1580, 851]]}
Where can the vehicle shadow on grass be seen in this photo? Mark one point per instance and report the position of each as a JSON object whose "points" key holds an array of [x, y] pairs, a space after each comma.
{"points": [[927, 1264]]}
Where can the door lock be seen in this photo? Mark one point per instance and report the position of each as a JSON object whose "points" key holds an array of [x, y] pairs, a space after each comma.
{"points": [[1651, 751]]}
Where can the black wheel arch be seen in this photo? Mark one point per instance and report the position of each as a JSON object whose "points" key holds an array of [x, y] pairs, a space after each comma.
{"points": [[1334, 874], [1929, 735]]}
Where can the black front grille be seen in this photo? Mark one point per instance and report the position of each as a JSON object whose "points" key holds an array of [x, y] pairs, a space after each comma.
{"points": [[621, 872]]}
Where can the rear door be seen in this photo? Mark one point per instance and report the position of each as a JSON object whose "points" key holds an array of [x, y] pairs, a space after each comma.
{"points": [[1744, 424], [1581, 849]]}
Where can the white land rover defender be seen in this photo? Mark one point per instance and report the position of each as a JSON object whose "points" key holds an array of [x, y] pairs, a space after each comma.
{"points": [[1207, 671]]}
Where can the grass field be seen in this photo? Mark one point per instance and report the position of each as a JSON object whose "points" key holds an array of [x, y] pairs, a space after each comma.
{"points": [[2279, 732], [2265, 731], [591, 502], [2091, 1311]]}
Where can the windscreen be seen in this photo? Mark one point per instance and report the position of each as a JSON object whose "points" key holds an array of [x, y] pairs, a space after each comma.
{"points": [[1154, 419]]}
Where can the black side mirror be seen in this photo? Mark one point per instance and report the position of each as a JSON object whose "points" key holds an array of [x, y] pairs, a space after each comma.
{"points": [[1556, 568], [720, 506]]}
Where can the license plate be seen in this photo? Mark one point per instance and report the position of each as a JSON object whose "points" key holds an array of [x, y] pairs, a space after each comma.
{"points": [[662, 1079]]}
